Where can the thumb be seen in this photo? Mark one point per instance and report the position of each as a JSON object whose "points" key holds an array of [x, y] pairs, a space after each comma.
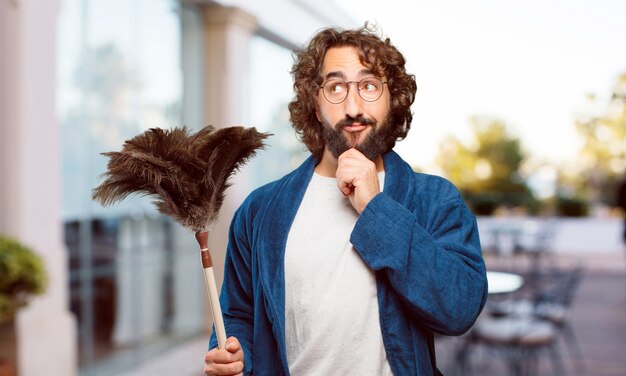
{"points": [[232, 345]]}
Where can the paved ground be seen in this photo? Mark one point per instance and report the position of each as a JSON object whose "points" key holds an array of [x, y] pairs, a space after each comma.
{"points": [[598, 318]]}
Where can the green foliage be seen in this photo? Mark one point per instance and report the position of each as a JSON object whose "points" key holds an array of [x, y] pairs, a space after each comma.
{"points": [[488, 170], [483, 203], [602, 158], [22, 274]]}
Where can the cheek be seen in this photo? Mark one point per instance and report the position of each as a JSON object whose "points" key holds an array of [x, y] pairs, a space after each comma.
{"points": [[381, 111], [386, 109], [330, 113], [388, 100]]}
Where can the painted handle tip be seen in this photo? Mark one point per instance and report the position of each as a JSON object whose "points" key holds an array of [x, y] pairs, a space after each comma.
{"points": [[203, 239]]}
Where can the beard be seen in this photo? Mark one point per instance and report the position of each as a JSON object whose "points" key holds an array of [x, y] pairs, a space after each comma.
{"points": [[374, 144]]}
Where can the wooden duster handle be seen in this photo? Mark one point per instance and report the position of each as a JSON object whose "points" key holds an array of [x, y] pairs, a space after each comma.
{"points": [[209, 278]]}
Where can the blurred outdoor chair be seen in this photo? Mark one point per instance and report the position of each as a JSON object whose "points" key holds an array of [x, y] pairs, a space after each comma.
{"points": [[519, 341], [522, 246], [534, 242], [552, 294], [553, 303], [499, 238], [519, 330]]}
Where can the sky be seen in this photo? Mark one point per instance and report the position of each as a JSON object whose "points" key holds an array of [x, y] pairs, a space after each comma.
{"points": [[529, 63]]}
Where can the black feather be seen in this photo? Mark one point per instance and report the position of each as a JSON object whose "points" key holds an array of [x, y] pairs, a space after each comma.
{"points": [[186, 174]]}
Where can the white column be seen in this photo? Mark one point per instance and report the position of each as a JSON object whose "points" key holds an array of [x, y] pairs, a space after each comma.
{"points": [[30, 179], [226, 42], [226, 49]]}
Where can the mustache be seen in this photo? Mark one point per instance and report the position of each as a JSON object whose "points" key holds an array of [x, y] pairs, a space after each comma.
{"points": [[349, 120]]}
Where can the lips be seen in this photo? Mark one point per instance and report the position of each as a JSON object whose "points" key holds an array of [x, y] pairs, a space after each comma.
{"points": [[354, 124], [355, 127]]}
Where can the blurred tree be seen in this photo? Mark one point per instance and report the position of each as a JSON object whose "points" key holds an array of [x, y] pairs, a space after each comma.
{"points": [[486, 170], [602, 159]]}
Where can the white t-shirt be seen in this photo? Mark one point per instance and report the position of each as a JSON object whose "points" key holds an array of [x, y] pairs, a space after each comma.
{"points": [[332, 325]]}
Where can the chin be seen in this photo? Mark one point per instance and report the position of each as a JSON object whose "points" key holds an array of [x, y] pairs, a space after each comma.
{"points": [[355, 139]]}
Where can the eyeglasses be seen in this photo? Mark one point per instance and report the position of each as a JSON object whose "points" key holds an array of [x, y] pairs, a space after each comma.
{"points": [[370, 89]]}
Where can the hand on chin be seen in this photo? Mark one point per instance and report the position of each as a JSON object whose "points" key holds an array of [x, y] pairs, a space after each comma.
{"points": [[357, 178]]}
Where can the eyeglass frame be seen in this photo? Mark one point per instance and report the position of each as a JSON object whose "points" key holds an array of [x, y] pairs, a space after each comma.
{"points": [[347, 83]]}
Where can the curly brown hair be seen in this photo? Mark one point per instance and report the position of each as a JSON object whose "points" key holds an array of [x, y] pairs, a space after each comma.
{"points": [[376, 54]]}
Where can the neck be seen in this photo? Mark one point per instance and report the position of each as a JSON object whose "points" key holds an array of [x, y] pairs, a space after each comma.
{"points": [[328, 165]]}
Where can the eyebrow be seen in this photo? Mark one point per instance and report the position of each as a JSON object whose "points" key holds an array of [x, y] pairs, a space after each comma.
{"points": [[340, 74]]}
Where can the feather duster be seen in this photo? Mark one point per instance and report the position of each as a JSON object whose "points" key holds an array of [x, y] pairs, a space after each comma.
{"points": [[187, 174]]}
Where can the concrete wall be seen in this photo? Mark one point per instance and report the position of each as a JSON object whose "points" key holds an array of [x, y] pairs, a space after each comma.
{"points": [[30, 171]]}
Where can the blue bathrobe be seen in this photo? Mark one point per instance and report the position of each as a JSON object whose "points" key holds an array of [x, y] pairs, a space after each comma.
{"points": [[417, 235]]}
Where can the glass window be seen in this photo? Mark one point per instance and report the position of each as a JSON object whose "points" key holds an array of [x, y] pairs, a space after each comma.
{"points": [[270, 94], [133, 273]]}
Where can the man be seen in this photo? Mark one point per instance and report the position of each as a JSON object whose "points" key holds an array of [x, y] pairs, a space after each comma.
{"points": [[329, 273]]}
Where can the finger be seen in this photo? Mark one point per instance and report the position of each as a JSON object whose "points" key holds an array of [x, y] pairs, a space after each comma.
{"points": [[345, 174], [352, 153], [221, 356], [235, 368], [345, 187], [350, 175], [355, 161]]}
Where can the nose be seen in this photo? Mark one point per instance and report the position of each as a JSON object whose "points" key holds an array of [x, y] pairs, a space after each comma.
{"points": [[354, 102]]}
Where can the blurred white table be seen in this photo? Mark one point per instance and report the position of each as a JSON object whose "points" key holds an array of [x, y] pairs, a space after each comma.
{"points": [[500, 282]]}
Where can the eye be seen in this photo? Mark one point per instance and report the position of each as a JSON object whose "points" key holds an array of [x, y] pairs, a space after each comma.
{"points": [[336, 87], [369, 85]]}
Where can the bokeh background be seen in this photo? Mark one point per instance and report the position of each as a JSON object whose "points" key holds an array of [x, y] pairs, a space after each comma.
{"points": [[522, 105]]}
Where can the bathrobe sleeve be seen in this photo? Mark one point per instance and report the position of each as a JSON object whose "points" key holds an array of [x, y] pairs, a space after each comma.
{"points": [[432, 259], [236, 296]]}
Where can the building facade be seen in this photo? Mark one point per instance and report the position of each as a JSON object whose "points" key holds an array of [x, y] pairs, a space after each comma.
{"points": [[77, 78]]}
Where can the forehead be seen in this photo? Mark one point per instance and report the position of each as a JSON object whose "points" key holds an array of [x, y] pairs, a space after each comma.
{"points": [[343, 62]]}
